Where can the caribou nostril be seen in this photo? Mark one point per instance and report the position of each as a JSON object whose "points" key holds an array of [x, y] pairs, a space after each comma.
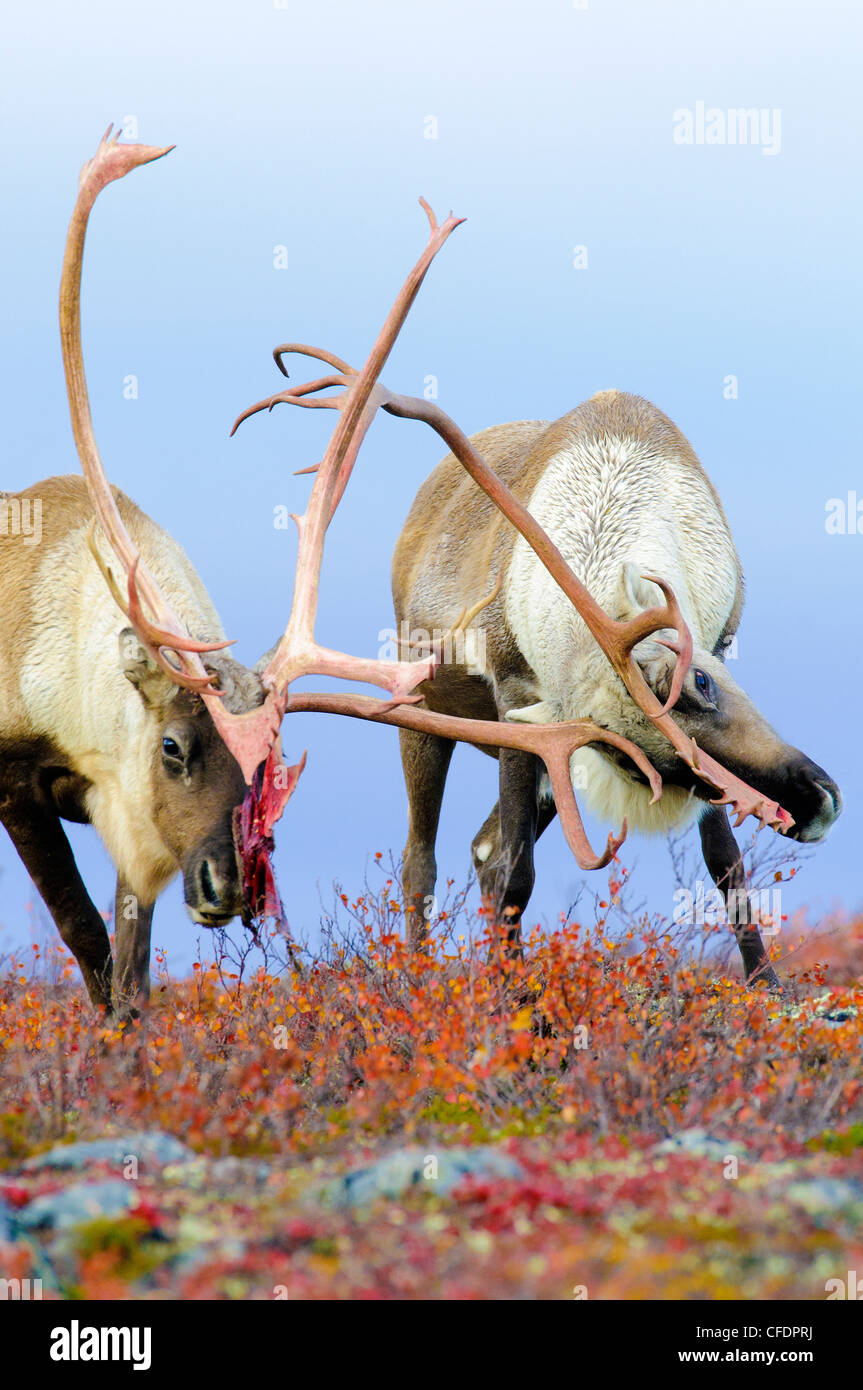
{"points": [[814, 825], [833, 794], [208, 888]]}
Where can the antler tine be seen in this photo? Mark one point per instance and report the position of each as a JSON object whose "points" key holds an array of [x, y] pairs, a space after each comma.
{"points": [[303, 350], [427, 209], [298, 653], [295, 393], [467, 615], [461, 624], [153, 637], [553, 743], [670, 616], [294, 396]]}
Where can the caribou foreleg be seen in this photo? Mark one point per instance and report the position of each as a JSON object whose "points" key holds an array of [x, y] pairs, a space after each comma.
{"points": [[35, 830], [725, 866]]}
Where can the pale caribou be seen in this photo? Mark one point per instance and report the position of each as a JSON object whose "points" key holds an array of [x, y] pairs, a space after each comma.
{"points": [[620, 492], [612, 587]]}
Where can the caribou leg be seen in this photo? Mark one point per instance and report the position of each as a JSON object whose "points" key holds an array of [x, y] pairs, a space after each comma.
{"points": [[486, 842], [36, 832], [425, 761], [132, 922], [725, 866], [721, 855], [503, 849]]}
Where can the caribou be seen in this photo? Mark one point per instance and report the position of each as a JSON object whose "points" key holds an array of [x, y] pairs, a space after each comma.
{"points": [[122, 709], [621, 493], [119, 706], [96, 725], [613, 588]]}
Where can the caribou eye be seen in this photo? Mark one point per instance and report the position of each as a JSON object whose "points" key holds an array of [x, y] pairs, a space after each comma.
{"points": [[703, 684], [171, 749]]}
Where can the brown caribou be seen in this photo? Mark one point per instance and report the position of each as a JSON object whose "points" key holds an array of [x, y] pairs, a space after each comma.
{"points": [[121, 709]]}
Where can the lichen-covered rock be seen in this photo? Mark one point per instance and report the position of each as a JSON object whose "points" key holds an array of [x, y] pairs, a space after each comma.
{"points": [[149, 1147], [700, 1144], [83, 1201], [437, 1171], [826, 1197]]}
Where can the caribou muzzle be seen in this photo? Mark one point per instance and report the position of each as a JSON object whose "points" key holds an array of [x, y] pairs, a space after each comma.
{"points": [[211, 883], [810, 795]]}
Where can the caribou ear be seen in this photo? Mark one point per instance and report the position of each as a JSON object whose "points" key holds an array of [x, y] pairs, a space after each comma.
{"points": [[139, 668], [635, 593]]}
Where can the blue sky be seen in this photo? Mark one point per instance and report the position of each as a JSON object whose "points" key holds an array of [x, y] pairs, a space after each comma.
{"points": [[305, 126]]}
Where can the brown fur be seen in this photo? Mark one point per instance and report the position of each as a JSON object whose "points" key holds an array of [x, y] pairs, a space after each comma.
{"points": [[83, 715]]}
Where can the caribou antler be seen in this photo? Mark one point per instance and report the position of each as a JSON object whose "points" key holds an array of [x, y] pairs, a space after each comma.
{"points": [[553, 743], [113, 161], [616, 639], [357, 403], [297, 652], [362, 396], [250, 736]]}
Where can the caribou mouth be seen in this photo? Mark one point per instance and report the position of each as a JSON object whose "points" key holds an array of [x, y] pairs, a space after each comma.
{"points": [[213, 920], [816, 828]]}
